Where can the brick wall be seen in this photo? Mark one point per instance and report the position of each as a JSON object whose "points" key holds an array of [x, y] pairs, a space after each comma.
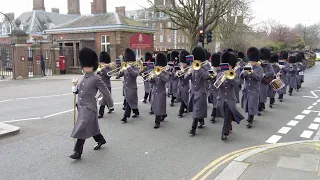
{"points": [[38, 5], [73, 7]]}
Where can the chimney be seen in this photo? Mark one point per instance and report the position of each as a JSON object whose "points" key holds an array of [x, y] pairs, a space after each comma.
{"points": [[74, 7], [100, 6], [121, 10], [92, 8], [38, 5], [10, 16], [55, 10]]}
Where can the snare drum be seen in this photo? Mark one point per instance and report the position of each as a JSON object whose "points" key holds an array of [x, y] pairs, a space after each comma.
{"points": [[277, 84]]}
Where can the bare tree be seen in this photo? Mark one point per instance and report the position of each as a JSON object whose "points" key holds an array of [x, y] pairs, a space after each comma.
{"points": [[186, 15]]}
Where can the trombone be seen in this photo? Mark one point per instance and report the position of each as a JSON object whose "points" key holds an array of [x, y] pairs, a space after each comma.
{"points": [[230, 74], [196, 65], [156, 72], [100, 66], [124, 66]]}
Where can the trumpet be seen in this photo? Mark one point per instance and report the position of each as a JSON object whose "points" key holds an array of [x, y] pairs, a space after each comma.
{"points": [[230, 74]]}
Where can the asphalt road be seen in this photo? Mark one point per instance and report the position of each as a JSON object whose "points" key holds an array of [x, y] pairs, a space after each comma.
{"points": [[42, 108]]}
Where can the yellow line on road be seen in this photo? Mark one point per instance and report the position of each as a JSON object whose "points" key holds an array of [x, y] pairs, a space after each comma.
{"points": [[212, 164]]}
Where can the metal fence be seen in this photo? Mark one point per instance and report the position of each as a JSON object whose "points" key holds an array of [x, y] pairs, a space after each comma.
{"points": [[6, 62]]}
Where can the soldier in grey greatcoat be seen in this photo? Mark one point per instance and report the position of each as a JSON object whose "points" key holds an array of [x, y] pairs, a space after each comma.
{"points": [[242, 64], [227, 98], [130, 85], [207, 66], [250, 93], [183, 84], [174, 57], [268, 74], [213, 91], [274, 59], [304, 63], [87, 121], [147, 58], [198, 93], [292, 75], [168, 84], [159, 100], [283, 74], [300, 70], [103, 73]]}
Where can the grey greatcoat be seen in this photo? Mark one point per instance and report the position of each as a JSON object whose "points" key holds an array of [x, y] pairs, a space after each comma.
{"points": [[284, 78], [130, 86], [264, 88], [159, 100], [174, 83], [228, 98], [300, 68], [106, 79], [87, 122], [198, 94], [250, 93], [147, 86], [276, 69], [213, 91], [183, 89], [242, 64], [292, 77]]}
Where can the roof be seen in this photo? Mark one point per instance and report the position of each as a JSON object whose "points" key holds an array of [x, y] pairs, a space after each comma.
{"points": [[100, 22], [38, 21]]}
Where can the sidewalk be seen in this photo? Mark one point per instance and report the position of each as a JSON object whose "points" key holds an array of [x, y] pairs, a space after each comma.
{"points": [[7, 130], [58, 77], [286, 161]]}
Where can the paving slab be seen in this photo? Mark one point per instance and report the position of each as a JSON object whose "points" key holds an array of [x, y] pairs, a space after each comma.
{"points": [[292, 174], [237, 169], [253, 170], [298, 163], [264, 158]]}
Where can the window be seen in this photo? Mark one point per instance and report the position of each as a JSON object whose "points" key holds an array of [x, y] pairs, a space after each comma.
{"points": [[169, 38], [160, 25], [29, 54], [4, 29], [161, 38], [153, 25], [169, 24], [105, 43]]}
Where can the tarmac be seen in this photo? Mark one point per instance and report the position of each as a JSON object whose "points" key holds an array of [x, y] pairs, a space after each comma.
{"points": [[283, 161]]}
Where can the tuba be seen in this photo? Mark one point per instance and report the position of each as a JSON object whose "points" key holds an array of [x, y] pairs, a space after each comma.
{"points": [[230, 74]]}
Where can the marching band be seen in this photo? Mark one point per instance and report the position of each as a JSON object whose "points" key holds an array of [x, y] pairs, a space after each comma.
{"points": [[192, 80]]}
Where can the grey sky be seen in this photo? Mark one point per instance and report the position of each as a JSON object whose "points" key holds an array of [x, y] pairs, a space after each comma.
{"points": [[289, 12]]}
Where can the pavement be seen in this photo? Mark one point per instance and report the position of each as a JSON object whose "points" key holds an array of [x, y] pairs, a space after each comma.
{"points": [[43, 110], [285, 161]]}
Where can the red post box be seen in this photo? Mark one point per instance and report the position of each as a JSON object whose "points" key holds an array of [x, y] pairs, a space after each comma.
{"points": [[62, 65]]}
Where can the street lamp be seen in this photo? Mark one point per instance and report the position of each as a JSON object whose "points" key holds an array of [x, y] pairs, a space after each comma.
{"points": [[203, 18]]}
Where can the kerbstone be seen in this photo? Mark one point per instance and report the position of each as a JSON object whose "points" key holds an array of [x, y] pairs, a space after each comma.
{"points": [[257, 172], [232, 171]]}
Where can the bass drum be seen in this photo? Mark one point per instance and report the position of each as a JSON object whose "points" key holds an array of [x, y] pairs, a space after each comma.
{"points": [[277, 84]]}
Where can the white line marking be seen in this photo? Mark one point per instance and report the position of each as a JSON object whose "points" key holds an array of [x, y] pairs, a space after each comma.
{"points": [[57, 113], [314, 104], [37, 97], [316, 120], [306, 134], [284, 130], [318, 100], [6, 100], [18, 120], [314, 94], [273, 139], [310, 107], [314, 126], [292, 123], [306, 111], [300, 117]]}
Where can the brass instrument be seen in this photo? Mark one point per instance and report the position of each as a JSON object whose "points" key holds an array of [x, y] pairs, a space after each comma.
{"points": [[156, 72], [230, 74], [212, 74], [248, 68]]}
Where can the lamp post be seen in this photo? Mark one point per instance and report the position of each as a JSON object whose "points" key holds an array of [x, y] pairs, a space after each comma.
{"points": [[203, 19]]}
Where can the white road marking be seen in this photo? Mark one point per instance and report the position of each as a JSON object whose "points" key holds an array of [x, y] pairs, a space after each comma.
{"points": [[310, 107], [19, 120], [57, 113], [273, 139], [314, 94], [314, 126], [292, 123], [306, 111], [284, 130], [314, 104], [300, 117], [318, 100], [37, 97], [316, 120], [306, 134], [6, 100]]}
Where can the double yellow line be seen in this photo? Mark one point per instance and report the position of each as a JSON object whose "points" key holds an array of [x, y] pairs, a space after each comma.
{"points": [[208, 170]]}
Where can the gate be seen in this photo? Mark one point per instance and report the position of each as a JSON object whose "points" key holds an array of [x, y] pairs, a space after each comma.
{"points": [[6, 61], [68, 52]]}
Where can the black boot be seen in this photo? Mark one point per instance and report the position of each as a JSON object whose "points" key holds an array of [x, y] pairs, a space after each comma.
{"points": [[110, 110], [163, 117], [280, 97], [201, 123], [98, 146], [250, 120], [75, 155], [124, 119], [101, 111], [271, 102], [213, 114], [157, 122], [224, 137], [136, 113], [194, 127]]}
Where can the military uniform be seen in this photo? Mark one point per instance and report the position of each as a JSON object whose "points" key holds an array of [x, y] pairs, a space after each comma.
{"points": [[274, 59], [213, 91], [284, 74], [174, 57], [130, 86], [87, 121], [300, 69], [147, 57], [292, 75]]}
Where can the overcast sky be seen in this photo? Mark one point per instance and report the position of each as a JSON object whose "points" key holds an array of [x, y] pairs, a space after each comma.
{"points": [[288, 12]]}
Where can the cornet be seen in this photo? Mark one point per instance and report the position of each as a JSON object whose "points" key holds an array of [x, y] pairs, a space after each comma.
{"points": [[230, 74]]}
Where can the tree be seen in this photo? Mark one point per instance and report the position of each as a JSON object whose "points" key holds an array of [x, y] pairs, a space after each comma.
{"points": [[186, 15], [300, 43]]}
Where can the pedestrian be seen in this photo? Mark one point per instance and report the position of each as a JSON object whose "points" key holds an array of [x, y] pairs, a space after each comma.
{"points": [[87, 124], [43, 66]]}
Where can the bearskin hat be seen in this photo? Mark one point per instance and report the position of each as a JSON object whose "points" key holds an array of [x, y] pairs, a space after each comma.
{"points": [[88, 58], [174, 56], [215, 60], [147, 56], [199, 53], [284, 55], [299, 58], [182, 56], [274, 58], [161, 60], [168, 57], [225, 57], [153, 60], [292, 59], [208, 55], [265, 53], [129, 55], [253, 54], [233, 60], [105, 57], [240, 55]]}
